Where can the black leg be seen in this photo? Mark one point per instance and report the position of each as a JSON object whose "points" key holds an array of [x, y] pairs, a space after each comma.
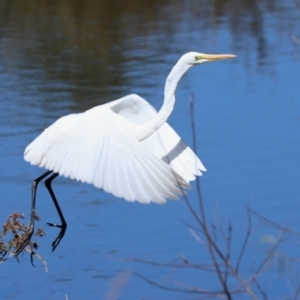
{"points": [[32, 218], [63, 225]]}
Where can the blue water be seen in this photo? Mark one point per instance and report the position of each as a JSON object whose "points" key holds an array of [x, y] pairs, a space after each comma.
{"points": [[54, 62]]}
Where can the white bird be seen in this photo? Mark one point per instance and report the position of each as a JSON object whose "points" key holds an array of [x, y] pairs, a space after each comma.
{"points": [[124, 147]]}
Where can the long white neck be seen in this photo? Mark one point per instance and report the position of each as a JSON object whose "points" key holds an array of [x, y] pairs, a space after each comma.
{"points": [[169, 100]]}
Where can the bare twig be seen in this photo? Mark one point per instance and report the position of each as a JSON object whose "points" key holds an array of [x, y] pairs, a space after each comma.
{"points": [[245, 242], [228, 244], [185, 264], [190, 290], [273, 224], [13, 226], [262, 292], [266, 259], [220, 257]]}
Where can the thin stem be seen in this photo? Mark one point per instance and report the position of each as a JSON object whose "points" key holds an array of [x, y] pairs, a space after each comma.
{"points": [[285, 229], [245, 241], [262, 292], [228, 243], [191, 290], [193, 126]]}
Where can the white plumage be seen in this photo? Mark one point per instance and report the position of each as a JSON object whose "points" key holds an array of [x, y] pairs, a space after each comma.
{"points": [[124, 147]]}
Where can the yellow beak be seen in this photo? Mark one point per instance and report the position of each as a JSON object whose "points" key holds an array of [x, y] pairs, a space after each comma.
{"points": [[212, 57]]}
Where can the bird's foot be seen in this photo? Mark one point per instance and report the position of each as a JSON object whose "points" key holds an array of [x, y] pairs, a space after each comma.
{"points": [[61, 234]]}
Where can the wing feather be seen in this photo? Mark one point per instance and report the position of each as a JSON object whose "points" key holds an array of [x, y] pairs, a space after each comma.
{"points": [[96, 147], [163, 142], [123, 181], [162, 183]]}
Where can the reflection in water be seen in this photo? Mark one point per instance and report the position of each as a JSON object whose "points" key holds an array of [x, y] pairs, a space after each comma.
{"points": [[83, 47], [59, 57], [83, 44]]}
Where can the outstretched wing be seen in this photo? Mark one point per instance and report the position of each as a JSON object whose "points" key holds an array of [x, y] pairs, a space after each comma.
{"points": [[95, 147], [164, 143]]}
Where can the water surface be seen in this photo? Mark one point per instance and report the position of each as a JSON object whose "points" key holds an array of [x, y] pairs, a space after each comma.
{"points": [[60, 57]]}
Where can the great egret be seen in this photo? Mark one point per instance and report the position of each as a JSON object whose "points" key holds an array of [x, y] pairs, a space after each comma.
{"points": [[124, 147]]}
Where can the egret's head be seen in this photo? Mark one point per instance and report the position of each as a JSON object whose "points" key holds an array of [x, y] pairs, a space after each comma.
{"points": [[195, 58]]}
